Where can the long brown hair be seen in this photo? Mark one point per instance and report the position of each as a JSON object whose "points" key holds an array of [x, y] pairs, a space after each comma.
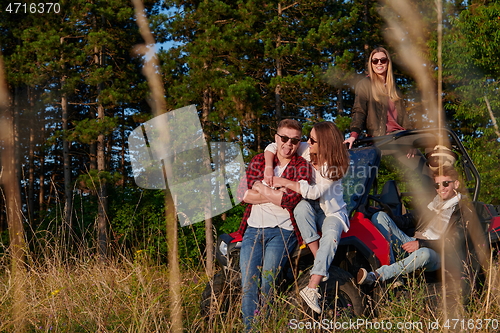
{"points": [[380, 89], [331, 151]]}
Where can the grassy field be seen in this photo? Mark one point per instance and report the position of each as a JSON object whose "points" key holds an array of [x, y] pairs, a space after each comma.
{"points": [[85, 294]]}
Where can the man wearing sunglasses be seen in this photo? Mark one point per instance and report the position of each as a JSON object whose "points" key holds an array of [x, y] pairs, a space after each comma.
{"points": [[442, 222], [268, 227]]}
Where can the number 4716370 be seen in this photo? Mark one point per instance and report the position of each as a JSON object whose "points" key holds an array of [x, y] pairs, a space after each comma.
{"points": [[33, 8]]}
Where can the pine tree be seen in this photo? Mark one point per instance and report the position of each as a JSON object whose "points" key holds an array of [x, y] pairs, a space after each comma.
{"points": [[471, 79], [81, 73]]}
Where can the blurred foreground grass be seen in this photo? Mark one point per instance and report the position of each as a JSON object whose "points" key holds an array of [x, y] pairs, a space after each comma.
{"points": [[85, 294]]}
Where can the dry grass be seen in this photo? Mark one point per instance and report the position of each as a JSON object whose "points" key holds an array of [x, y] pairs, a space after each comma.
{"points": [[86, 294], [89, 295]]}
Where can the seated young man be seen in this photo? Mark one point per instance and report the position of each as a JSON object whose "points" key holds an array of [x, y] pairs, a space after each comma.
{"points": [[269, 230], [440, 223]]}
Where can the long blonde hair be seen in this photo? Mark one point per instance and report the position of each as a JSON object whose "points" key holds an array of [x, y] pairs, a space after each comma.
{"points": [[379, 88]]}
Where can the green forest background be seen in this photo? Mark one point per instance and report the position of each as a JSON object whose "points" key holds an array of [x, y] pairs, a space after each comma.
{"points": [[77, 90], [83, 249]]}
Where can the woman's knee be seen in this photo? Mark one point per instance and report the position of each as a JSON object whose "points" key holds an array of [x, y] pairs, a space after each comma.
{"points": [[302, 209]]}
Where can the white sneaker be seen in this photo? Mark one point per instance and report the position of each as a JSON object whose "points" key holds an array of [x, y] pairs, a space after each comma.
{"points": [[311, 296]]}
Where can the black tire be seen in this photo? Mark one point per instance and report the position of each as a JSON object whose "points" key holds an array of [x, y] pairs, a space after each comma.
{"points": [[211, 298], [339, 294], [342, 294]]}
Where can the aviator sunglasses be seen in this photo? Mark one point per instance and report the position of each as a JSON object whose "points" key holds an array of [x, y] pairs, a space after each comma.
{"points": [[285, 139], [445, 183], [383, 61]]}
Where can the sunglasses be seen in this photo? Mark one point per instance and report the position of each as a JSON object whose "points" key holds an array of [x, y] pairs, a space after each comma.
{"points": [[445, 183], [285, 139], [383, 61], [312, 140]]}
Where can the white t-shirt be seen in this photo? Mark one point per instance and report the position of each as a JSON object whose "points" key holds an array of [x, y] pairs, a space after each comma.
{"points": [[329, 193], [269, 215]]}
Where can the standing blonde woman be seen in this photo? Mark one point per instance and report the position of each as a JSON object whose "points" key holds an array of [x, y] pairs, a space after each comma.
{"points": [[378, 105]]}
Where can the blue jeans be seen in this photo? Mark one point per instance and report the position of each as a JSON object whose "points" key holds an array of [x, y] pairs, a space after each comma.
{"points": [[421, 258], [311, 218], [264, 251]]}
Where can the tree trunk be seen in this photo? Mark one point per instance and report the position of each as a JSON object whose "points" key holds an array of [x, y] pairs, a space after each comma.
{"points": [[68, 195], [31, 163], [209, 236], [279, 73], [11, 184], [492, 116], [173, 263], [367, 42], [340, 103], [123, 153], [93, 156], [41, 179], [102, 195], [102, 200]]}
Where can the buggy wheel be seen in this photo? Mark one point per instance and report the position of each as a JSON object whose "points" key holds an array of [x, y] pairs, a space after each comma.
{"points": [[342, 295], [219, 293], [212, 298]]}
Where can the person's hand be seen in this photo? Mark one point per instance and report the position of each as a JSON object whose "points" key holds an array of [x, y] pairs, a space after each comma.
{"points": [[411, 246], [279, 181], [268, 176], [350, 141], [257, 185], [411, 152]]}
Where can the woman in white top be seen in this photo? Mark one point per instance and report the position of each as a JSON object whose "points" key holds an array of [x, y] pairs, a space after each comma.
{"points": [[324, 209]]}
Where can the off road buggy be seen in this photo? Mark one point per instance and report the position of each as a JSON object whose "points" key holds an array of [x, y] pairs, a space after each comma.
{"points": [[366, 191]]}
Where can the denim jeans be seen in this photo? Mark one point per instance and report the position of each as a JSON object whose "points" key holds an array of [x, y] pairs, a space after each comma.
{"points": [[421, 258], [264, 251], [311, 219]]}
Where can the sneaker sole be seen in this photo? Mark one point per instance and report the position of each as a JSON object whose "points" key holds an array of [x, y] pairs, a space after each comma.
{"points": [[361, 277], [309, 303]]}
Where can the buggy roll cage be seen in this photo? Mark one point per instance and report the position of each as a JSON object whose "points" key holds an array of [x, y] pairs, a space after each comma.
{"points": [[428, 139]]}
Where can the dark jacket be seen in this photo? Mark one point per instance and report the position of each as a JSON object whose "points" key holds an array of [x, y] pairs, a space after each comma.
{"points": [[464, 253], [372, 115], [464, 242], [454, 231]]}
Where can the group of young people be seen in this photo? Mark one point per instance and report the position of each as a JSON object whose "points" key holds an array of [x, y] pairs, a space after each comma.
{"points": [[294, 196]]}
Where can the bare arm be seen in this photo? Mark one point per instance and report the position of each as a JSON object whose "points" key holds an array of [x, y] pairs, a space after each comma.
{"points": [[273, 196], [289, 184], [254, 197], [268, 169]]}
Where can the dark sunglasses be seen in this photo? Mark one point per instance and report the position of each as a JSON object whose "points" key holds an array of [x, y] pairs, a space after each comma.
{"points": [[383, 61], [285, 139], [445, 183], [312, 140]]}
